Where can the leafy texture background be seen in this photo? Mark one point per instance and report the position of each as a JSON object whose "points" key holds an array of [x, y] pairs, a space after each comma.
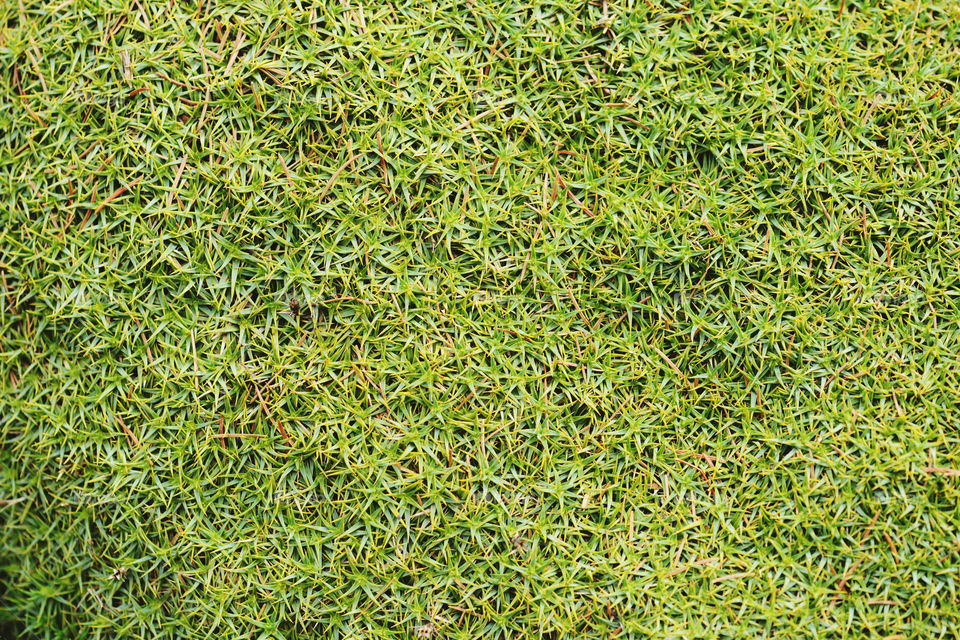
{"points": [[479, 320]]}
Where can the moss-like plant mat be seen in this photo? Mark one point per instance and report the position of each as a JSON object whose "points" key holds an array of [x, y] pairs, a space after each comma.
{"points": [[469, 319]]}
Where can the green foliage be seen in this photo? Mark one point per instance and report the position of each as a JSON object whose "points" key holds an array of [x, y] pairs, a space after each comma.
{"points": [[479, 319]]}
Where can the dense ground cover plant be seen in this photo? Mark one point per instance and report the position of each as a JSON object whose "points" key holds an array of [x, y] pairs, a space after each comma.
{"points": [[479, 319]]}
